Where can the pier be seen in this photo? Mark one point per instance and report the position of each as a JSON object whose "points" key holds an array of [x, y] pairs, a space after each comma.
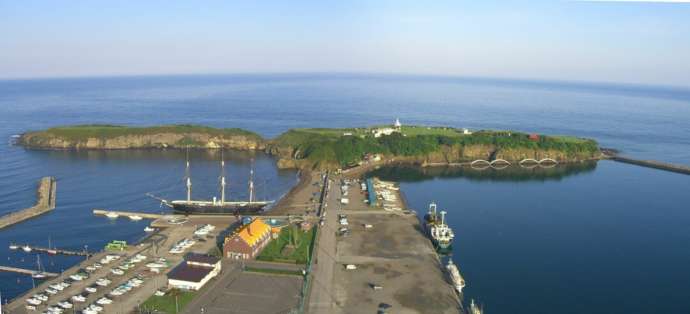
{"points": [[26, 271], [613, 155], [55, 251], [46, 202]]}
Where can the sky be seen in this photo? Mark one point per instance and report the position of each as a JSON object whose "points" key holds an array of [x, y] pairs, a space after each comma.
{"points": [[600, 41]]}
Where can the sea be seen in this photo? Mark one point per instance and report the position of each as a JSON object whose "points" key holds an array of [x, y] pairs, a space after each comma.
{"points": [[600, 237]]}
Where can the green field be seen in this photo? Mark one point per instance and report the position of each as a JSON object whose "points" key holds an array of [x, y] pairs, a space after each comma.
{"points": [[166, 303], [275, 251]]}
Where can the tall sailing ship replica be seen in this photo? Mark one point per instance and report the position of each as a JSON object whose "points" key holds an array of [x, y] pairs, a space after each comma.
{"points": [[215, 206]]}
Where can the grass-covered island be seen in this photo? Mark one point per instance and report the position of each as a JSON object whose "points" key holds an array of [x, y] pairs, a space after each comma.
{"points": [[329, 148]]}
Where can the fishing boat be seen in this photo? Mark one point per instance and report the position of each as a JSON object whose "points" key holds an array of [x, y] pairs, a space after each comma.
{"points": [[437, 229], [135, 217], [149, 229], [112, 215], [216, 206], [26, 248], [13, 246], [455, 276]]}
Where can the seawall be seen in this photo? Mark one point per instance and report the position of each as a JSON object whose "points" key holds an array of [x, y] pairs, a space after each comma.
{"points": [[611, 154], [45, 203]]}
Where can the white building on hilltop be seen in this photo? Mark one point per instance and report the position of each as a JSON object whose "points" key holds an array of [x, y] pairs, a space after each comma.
{"points": [[397, 127]]}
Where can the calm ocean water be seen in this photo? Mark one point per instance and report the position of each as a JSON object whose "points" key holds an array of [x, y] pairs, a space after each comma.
{"points": [[607, 239]]}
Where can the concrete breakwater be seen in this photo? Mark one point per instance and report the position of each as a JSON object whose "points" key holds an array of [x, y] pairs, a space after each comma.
{"points": [[45, 203], [613, 155]]}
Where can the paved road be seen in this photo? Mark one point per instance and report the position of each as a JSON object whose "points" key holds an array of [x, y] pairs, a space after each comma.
{"points": [[322, 298]]}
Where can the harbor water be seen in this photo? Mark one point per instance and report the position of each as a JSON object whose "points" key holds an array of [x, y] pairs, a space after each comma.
{"points": [[602, 238]]}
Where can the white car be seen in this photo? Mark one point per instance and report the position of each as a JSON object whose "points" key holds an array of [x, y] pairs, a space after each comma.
{"points": [[77, 277], [91, 289], [51, 291], [117, 272]]}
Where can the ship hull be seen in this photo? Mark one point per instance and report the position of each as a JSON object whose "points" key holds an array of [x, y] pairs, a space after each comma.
{"points": [[218, 209]]}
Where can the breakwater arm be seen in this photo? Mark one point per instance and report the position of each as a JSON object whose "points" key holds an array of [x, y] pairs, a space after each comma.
{"points": [[610, 154], [46, 202]]}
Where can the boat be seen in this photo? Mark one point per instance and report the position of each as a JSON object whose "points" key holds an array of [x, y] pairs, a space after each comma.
{"points": [[40, 274], [149, 229], [51, 250], [216, 206], [33, 301], [439, 232], [136, 217], [112, 215], [455, 276], [13, 246], [475, 309], [26, 248]]}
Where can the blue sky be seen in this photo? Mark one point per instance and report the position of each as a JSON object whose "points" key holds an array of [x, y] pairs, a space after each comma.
{"points": [[623, 42]]}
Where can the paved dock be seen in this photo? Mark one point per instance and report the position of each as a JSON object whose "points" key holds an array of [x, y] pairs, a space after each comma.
{"points": [[393, 255], [45, 203]]}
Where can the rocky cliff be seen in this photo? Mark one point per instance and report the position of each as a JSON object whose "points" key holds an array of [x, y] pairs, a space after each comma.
{"points": [[200, 139]]}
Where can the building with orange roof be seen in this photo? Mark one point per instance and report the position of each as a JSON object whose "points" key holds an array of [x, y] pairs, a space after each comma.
{"points": [[247, 241]]}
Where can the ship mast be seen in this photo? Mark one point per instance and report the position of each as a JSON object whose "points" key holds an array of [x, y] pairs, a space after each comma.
{"points": [[251, 182], [222, 178], [443, 216], [188, 179]]}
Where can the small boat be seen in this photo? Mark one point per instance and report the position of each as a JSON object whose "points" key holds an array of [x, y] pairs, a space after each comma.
{"points": [[51, 250], [149, 229], [475, 309], [136, 217], [13, 246], [26, 248], [112, 215], [40, 274], [33, 301]]}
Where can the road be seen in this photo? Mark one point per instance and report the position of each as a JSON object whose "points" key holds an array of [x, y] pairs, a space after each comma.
{"points": [[322, 298]]}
